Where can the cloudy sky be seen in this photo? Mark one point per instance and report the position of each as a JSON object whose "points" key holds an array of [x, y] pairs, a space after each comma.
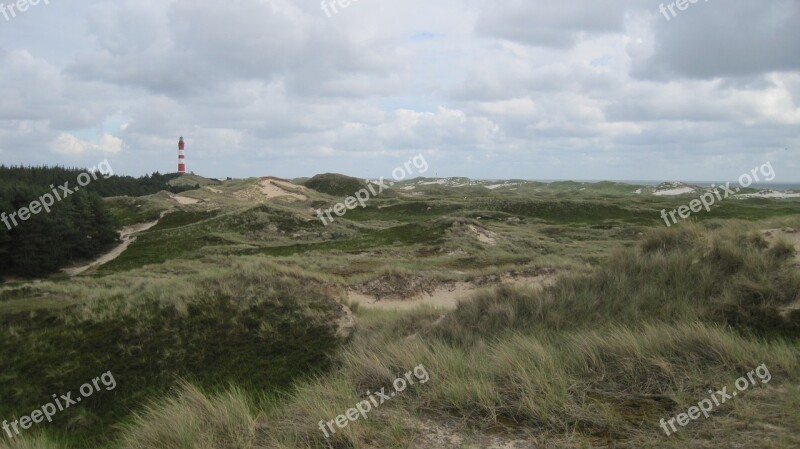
{"points": [[557, 89]]}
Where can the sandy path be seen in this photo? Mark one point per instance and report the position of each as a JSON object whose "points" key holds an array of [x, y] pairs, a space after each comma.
{"points": [[128, 235], [445, 297]]}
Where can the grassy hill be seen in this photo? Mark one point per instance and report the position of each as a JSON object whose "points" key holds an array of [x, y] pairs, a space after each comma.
{"points": [[335, 185], [193, 180]]}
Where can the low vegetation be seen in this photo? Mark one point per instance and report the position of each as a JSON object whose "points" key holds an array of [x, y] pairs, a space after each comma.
{"points": [[243, 322], [335, 185]]}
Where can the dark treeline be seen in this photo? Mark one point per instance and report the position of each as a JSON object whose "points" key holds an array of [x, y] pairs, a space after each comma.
{"points": [[79, 227], [104, 185]]}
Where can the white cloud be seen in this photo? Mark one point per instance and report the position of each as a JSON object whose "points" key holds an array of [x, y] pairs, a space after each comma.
{"points": [[71, 145]]}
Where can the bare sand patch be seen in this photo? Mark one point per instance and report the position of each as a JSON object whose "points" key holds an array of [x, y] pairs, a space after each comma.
{"points": [[272, 188], [769, 194], [269, 188], [448, 295], [442, 297], [443, 435], [346, 324], [183, 200], [484, 235], [674, 192]]}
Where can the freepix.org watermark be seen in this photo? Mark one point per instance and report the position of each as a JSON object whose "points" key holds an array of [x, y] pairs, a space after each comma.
{"points": [[10, 11], [400, 384], [711, 197], [717, 398], [682, 5], [362, 196], [46, 201], [329, 6], [59, 404]]}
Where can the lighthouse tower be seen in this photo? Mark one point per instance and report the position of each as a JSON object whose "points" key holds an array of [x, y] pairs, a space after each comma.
{"points": [[181, 157]]}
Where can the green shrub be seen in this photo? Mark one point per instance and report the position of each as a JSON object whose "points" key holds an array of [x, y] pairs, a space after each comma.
{"points": [[676, 274], [253, 325]]}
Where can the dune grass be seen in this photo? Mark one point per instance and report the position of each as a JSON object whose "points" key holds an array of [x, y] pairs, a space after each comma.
{"points": [[729, 276], [615, 383], [595, 361]]}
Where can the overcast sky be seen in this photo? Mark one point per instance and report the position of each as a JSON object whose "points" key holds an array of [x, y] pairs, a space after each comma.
{"points": [[557, 89]]}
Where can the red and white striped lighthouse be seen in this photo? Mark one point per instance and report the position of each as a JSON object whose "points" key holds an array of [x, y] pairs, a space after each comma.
{"points": [[181, 157]]}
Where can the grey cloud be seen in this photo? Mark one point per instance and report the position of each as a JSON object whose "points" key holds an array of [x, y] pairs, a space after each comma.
{"points": [[732, 38], [550, 23]]}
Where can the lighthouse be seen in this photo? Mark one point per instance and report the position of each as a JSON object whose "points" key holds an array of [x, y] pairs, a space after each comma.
{"points": [[181, 157]]}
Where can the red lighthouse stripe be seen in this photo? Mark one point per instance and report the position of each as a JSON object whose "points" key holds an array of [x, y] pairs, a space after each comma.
{"points": [[181, 157]]}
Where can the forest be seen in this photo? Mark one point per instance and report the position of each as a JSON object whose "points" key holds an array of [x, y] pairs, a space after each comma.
{"points": [[79, 227]]}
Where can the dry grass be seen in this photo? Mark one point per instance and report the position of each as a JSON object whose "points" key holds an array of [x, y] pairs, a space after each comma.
{"points": [[192, 419], [617, 382]]}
